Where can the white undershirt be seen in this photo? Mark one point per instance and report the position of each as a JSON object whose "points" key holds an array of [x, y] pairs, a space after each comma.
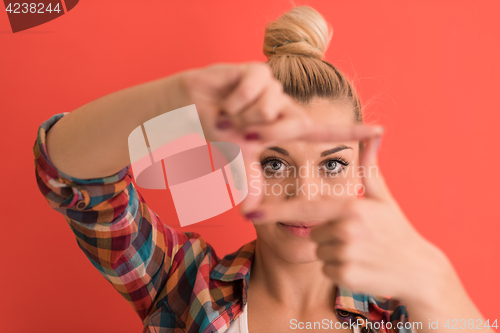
{"points": [[240, 324]]}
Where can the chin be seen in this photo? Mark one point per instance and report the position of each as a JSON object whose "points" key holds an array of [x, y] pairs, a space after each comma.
{"points": [[293, 247], [300, 253]]}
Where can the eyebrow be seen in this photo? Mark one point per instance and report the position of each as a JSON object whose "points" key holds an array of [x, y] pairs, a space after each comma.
{"points": [[279, 150], [323, 154], [334, 150]]}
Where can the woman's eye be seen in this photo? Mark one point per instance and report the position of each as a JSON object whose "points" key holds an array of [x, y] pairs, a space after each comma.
{"points": [[331, 165], [273, 166], [334, 166]]}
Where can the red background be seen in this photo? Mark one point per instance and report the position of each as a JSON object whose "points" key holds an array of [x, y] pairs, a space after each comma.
{"points": [[428, 70]]}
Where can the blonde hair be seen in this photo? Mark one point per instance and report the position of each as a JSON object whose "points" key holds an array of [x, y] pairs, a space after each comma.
{"points": [[295, 45]]}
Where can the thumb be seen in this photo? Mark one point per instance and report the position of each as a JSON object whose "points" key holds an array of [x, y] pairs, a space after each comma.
{"points": [[373, 180]]}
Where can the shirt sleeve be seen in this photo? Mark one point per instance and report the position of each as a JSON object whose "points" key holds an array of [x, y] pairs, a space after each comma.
{"points": [[114, 227]]}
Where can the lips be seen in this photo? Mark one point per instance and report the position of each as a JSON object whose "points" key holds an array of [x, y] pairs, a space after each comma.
{"points": [[299, 228]]}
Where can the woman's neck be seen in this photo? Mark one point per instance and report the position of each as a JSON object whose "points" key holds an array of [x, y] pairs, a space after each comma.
{"points": [[300, 285]]}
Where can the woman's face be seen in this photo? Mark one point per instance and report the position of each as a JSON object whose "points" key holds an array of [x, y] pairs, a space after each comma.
{"points": [[307, 171]]}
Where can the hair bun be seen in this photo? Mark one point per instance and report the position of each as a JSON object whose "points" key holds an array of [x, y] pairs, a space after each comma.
{"points": [[301, 31]]}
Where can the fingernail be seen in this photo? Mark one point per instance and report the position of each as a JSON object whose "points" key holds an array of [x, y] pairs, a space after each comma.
{"points": [[252, 136], [254, 215], [223, 124]]}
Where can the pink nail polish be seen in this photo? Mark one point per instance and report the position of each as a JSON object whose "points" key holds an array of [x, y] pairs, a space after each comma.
{"points": [[223, 124], [254, 215], [252, 136]]}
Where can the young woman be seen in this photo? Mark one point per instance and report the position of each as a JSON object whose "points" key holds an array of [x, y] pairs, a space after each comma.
{"points": [[319, 258]]}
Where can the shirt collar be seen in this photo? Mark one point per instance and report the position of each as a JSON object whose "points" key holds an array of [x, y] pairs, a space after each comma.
{"points": [[348, 303], [237, 265]]}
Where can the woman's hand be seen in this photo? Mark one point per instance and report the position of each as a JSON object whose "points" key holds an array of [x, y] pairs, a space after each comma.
{"points": [[370, 246], [232, 100]]}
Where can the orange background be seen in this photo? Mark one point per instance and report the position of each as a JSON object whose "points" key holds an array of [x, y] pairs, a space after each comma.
{"points": [[429, 71]]}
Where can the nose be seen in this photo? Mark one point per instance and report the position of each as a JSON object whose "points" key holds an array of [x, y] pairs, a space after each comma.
{"points": [[306, 183]]}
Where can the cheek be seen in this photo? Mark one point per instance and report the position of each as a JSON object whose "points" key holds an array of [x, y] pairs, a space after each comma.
{"points": [[276, 189], [266, 233]]}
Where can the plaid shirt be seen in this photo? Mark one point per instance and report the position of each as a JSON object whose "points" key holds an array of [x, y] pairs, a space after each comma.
{"points": [[173, 280]]}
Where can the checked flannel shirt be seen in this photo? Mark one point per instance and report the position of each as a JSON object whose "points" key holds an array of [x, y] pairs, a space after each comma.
{"points": [[173, 280]]}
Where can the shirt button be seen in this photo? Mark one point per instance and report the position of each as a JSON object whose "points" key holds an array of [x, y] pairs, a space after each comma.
{"points": [[343, 313], [80, 205]]}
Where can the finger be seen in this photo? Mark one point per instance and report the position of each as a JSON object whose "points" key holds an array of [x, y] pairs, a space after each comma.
{"points": [[217, 79], [356, 132], [266, 108], [296, 210], [255, 178], [374, 185], [297, 127], [335, 271], [222, 76], [289, 126], [254, 79], [333, 252], [338, 231]]}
